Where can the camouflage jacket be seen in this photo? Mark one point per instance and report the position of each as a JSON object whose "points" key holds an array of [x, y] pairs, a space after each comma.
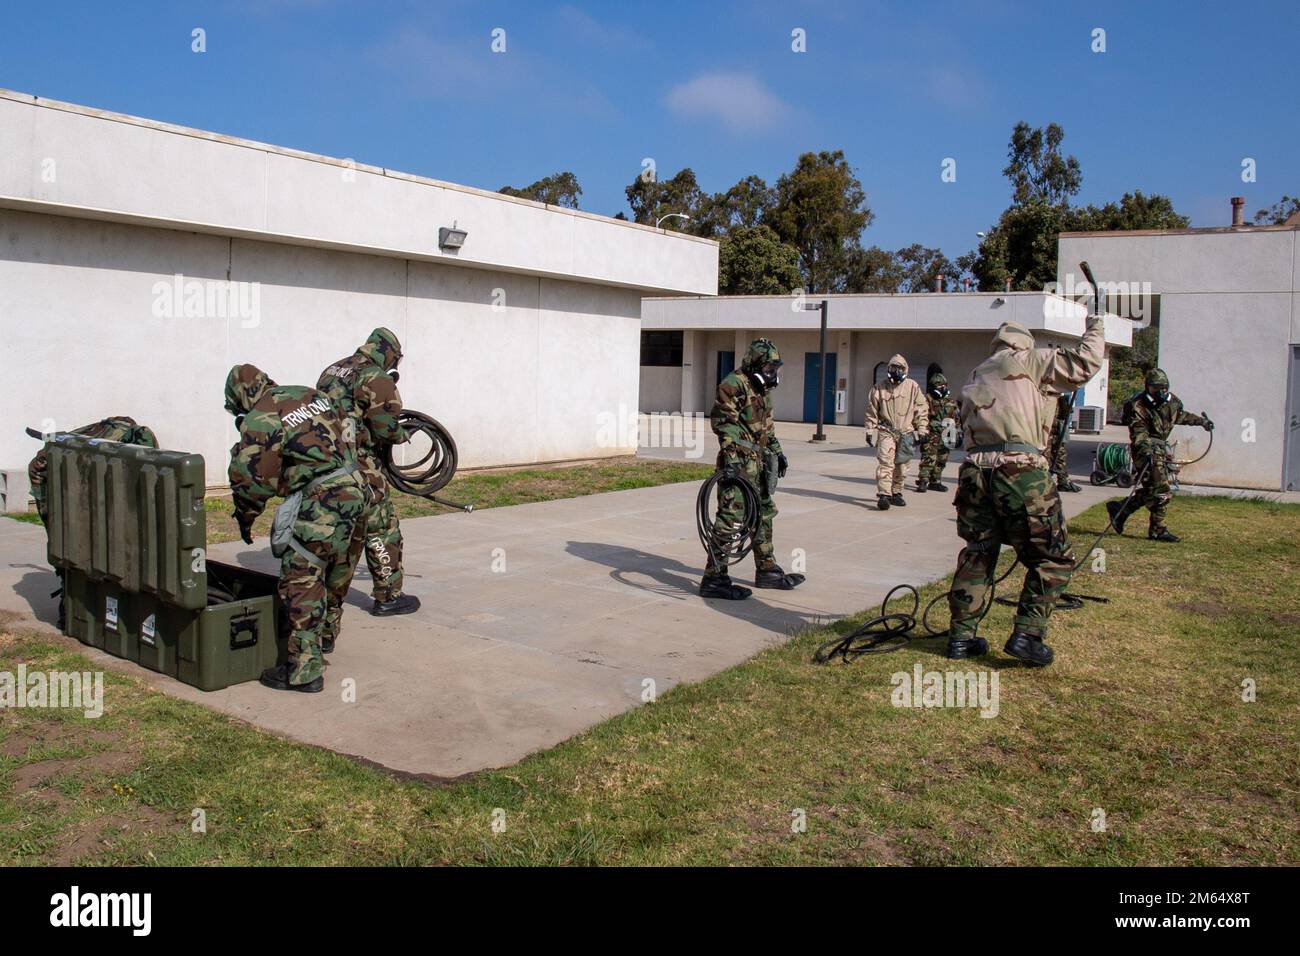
{"points": [[363, 392], [741, 416], [941, 408], [288, 435], [1149, 426], [1007, 398], [118, 428]]}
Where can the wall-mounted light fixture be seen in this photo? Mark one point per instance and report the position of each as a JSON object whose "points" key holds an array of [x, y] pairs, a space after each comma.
{"points": [[450, 237]]}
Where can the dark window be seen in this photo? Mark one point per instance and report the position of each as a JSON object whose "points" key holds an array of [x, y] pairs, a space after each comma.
{"points": [[661, 348]]}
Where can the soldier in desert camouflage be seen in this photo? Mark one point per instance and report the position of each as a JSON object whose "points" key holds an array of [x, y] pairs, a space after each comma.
{"points": [[118, 428], [291, 440], [896, 410], [363, 388], [742, 420], [1005, 493]]}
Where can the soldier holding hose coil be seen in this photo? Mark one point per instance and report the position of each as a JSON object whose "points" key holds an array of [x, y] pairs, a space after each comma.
{"points": [[748, 447], [363, 387]]}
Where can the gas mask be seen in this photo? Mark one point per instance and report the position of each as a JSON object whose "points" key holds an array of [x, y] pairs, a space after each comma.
{"points": [[394, 376], [896, 374], [940, 391], [1158, 396], [769, 375]]}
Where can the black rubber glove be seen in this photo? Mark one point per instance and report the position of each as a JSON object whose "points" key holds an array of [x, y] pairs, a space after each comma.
{"points": [[782, 463], [245, 528], [871, 443], [1208, 425]]}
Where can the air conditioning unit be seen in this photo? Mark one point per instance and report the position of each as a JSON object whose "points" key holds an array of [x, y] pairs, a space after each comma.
{"points": [[1089, 419]]}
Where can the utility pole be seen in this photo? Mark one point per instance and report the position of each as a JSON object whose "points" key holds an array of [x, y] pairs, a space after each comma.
{"points": [[820, 434]]}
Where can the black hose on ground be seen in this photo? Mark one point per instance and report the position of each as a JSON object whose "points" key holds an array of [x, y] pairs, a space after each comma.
{"points": [[738, 543], [888, 631], [426, 477]]}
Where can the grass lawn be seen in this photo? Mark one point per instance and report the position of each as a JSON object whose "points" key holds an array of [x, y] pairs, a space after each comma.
{"points": [[1141, 717]]}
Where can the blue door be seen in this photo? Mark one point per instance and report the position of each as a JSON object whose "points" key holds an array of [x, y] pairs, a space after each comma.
{"points": [[812, 364], [726, 365]]}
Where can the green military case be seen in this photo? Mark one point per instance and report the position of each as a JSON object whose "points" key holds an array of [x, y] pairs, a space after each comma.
{"points": [[128, 530]]}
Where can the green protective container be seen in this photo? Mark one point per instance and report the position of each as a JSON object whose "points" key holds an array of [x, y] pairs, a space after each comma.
{"points": [[128, 530]]}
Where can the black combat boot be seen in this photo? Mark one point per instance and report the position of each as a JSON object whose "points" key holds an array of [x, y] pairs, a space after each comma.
{"points": [[882, 502], [960, 648], [921, 487], [1030, 649], [721, 586], [938, 486], [774, 577], [1163, 534], [1066, 484], [402, 604], [278, 679], [896, 499], [327, 646], [1117, 515]]}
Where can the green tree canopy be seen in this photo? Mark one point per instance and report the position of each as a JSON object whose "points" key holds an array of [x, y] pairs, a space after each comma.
{"points": [[820, 209], [653, 198], [1036, 168], [752, 260], [1279, 212], [559, 189]]}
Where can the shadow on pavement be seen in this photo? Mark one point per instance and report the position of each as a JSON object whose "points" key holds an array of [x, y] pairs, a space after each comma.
{"points": [[681, 582]]}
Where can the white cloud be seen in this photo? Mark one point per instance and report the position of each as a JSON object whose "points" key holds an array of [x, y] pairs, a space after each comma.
{"points": [[739, 101]]}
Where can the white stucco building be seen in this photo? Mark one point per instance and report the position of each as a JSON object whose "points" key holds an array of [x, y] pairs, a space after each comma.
{"points": [[140, 260], [1225, 301], [688, 343]]}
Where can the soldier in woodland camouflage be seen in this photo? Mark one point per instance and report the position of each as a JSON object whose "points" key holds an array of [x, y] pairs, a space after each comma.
{"points": [[119, 428], [747, 444], [1057, 451], [896, 410], [291, 440], [363, 388], [1005, 493], [1151, 415], [944, 416]]}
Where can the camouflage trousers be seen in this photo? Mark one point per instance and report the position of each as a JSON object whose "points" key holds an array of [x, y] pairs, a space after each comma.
{"points": [[934, 458], [1016, 504], [890, 475], [1154, 492], [731, 515], [383, 543], [330, 525]]}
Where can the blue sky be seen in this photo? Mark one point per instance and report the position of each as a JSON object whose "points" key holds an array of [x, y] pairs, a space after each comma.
{"points": [[1184, 92]]}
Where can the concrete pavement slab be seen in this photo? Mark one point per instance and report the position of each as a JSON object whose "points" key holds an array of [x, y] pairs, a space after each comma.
{"points": [[597, 596]]}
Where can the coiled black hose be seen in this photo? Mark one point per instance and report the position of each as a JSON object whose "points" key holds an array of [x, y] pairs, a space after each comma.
{"points": [[740, 542], [891, 631], [426, 477]]}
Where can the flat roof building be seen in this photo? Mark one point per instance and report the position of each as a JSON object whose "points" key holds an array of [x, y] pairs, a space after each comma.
{"points": [[1225, 301], [141, 260], [690, 343]]}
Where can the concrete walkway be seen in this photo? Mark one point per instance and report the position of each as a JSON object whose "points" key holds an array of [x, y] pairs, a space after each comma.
{"points": [[541, 620]]}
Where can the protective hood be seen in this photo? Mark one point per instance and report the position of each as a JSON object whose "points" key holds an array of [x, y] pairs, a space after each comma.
{"points": [[938, 379], [898, 360], [383, 349], [245, 386], [1157, 378], [760, 352], [1013, 335]]}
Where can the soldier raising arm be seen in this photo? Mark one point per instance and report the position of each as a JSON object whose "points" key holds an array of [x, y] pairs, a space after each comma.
{"points": [[1005, 493]]}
